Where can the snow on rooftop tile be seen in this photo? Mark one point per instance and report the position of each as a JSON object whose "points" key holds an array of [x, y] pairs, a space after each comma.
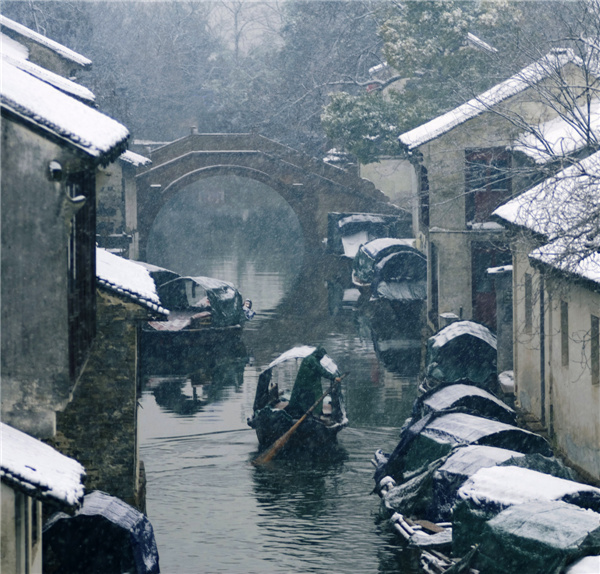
{"points": [[56, 112], [44, 41], [38, 469], [482, 103], [134, 158], [16, 58], [127, 278], [561, 136]]}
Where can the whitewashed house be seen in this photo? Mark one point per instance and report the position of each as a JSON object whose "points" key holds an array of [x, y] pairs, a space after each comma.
{"points": [[32, 474], [556, 300], [465, 165]]}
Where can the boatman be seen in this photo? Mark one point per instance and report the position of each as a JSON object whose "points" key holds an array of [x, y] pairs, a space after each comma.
{"points": [[307, 387]]}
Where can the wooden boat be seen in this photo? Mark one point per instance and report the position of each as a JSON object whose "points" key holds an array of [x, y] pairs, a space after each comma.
{"points": [[271, 419]]}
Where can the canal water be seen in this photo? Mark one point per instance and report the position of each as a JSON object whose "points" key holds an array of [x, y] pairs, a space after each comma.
{"points": [[211, 509]]}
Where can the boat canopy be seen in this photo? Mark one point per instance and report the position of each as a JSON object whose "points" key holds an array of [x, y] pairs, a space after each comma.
{"points": [[533, 537], [104, 535], [370, 253], [159, 274], [432, 494], [437, 433], [463, 350], [469, 398], [201, 293], [282, 371], [401, 276]]}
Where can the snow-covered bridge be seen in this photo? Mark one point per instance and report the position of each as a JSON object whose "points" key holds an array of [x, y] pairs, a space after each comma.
{"points": [[311, 187]]}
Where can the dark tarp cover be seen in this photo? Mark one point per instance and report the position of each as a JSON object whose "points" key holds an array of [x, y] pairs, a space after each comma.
{"points": [[462, 350], [401, 276], [432, 493], [537, 538], [471, 398], [363, 267], [105, 536], [187, 293], [491, 490], [436, 434]]}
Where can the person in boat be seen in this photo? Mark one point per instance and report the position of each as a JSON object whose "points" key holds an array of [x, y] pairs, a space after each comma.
{"points": [[248, 312], [307, 386]]}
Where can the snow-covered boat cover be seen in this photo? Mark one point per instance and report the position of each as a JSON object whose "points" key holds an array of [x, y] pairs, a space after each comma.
{"points": [[460, 328], [360, 218], [536, 537], [473, 398], [136, 533], [127, 278], [584, 566], [373, 248], [38, 470], [301, 352], [502, 486], [352, 243]]}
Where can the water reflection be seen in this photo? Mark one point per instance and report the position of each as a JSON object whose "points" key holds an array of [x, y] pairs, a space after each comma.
{"points": [[213, 511]]}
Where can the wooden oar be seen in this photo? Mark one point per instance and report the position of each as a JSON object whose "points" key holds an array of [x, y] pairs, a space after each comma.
{"points": [[284, 438]]}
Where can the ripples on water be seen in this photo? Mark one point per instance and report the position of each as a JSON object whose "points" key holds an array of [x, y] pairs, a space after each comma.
{"points": [[211, 509]]}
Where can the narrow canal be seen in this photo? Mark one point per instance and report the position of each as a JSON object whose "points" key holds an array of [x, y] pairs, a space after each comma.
{"points": [[211, 509]]}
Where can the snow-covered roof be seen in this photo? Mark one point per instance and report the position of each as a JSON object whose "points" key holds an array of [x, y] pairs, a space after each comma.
{"points": [[561, 136], [134, 159], [41, 104], [39, 470], [508, 485], [360, 218], [459, 328], [518, 83], [564, 210], [16, 54], [63, 51], [128, 279]]}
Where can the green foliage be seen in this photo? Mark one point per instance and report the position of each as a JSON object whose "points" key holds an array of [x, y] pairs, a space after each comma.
{"points": [[427, 45]]}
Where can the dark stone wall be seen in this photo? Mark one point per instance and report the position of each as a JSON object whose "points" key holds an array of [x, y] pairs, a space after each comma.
{"points": [[99, 426], [35, 328]]}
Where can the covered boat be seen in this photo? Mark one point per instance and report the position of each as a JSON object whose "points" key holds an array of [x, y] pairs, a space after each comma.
{"points": [[271, 419], [105, 535], [436, 434], [401, 276], [462, 351], [536, 536], [369, 254]]}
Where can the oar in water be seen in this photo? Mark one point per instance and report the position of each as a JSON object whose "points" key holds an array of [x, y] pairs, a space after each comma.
{"points": [[284, 438]]}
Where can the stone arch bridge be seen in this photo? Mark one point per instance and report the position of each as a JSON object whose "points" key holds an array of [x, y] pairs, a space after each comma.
{"points": [[311, 187]]}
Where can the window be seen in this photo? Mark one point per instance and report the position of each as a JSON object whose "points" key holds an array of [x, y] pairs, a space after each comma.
{"points": [[595, 350], [564, 333], [82, 271], [487, 182], [424, 197], [528, 303]]}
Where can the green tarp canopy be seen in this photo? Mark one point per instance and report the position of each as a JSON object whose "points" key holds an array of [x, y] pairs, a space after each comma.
{"points": [[537, 538], [463, 350]]}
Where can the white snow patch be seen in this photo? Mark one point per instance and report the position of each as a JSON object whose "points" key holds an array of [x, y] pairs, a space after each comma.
{"points": [[44, 105], [134, 158], [527, 77], [508, 485], [459, 328], [38, 468], [587, 565], [43, 41], [301, 352], [128, 278], [352, 243]]}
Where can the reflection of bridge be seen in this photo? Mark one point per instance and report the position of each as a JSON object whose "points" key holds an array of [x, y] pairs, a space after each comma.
{"points": [[311, 187]]}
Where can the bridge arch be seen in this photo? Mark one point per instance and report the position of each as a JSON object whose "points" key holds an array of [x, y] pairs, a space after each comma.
{"points": [[311, 188]]}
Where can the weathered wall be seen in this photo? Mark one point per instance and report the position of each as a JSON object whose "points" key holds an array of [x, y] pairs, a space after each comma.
{"points": [[99, 426], [396, 178], [35, 330], [573, 401]]}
